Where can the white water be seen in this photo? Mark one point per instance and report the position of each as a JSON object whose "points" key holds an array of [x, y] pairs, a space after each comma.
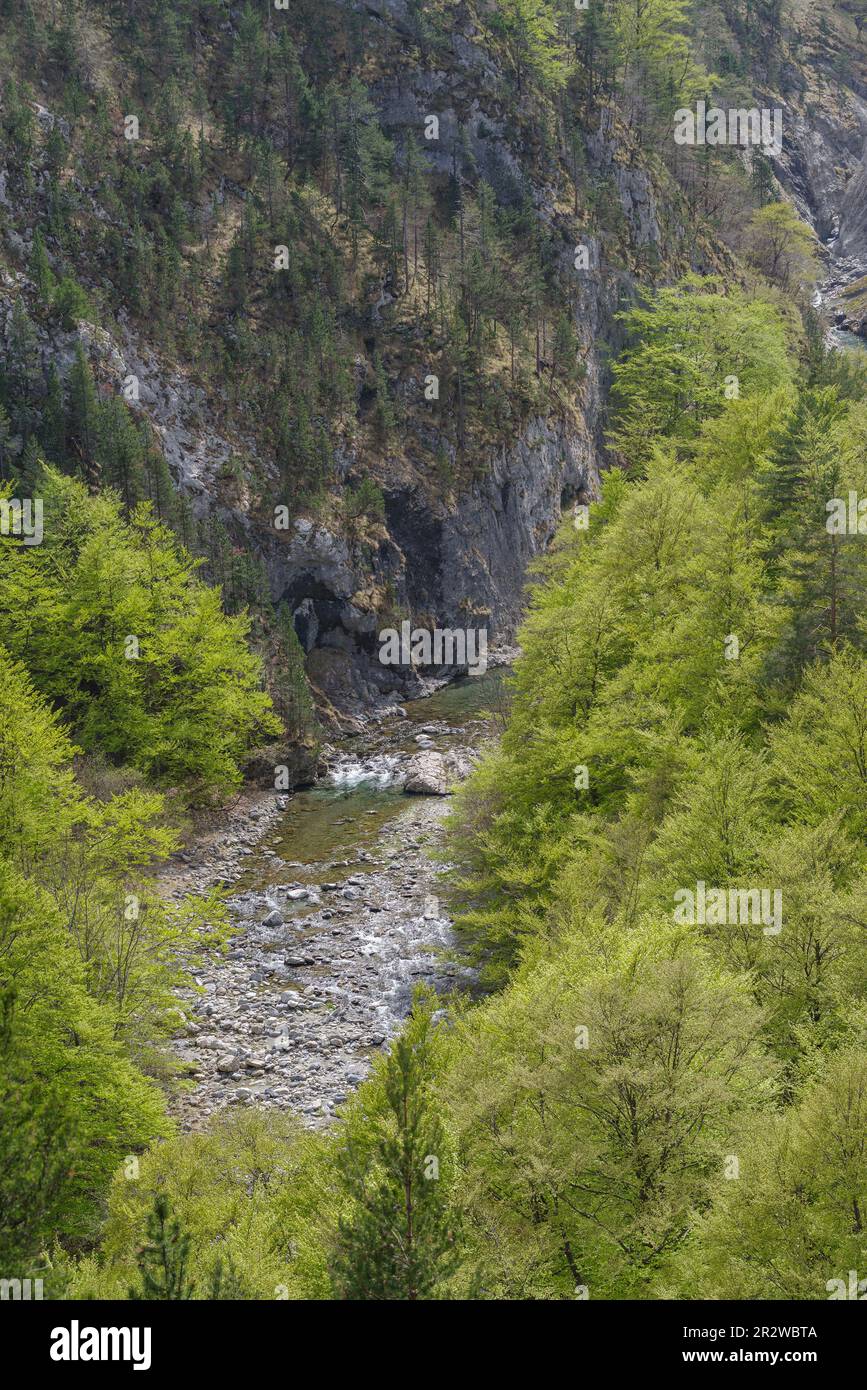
{"points": [[376, 773]]}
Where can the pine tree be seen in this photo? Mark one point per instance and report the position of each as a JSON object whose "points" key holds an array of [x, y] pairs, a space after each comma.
{"points": [[399, 1242], [384, 407], [292, 696], [20, 375], [83, 410], [163, 1261], [820, 573], [53, 432], [40, 269], [785, 478], [225, 1284], [564, 355], [5, 435]]}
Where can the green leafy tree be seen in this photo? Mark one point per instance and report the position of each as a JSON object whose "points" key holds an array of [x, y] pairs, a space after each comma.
{"points": [[132, 645], [782, 247], [594, 1101], [532, 40], [694, 349], [792, 1227], [820, 749]]}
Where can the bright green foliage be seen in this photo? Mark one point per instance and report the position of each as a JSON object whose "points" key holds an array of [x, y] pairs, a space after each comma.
{"points": [[89, 854], [690, 713], [529, 32], [119, 633], [71, 1104], [669, 631], [657, 73], [694, 347], [90, 962], [690, 706], [820, 750], [782, 247], [254, 1196], [791, 1226], [593, 1102]]}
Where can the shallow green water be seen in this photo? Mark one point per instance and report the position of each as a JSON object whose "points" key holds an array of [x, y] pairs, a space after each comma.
{"points": [[842, 338], [330, 823]]}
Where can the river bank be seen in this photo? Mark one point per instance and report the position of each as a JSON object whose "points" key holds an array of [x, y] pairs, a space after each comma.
{"points": [[338, 911], [842, 298]]}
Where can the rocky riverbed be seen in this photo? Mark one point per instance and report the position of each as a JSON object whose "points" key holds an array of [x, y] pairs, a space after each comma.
{"points": [[842, 297], [338, 911]]}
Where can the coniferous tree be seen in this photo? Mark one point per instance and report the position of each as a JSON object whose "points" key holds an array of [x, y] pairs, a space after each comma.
{"points": [[292, 695], [163, 1261], [5, 434], [83, 417], [384, 407], [819, 566], [20, 375], [40, 269], [53, 430], [399, 1240]]}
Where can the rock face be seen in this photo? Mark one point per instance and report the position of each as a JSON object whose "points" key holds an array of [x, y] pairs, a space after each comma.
{"points": [[299, 760], [822, 167], [456, 556], [458, 561], [461, 561], [451, 556], [434, 774], [821, 164]]}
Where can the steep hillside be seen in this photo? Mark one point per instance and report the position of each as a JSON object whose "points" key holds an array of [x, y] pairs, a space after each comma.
{"points": [[390, 425]]}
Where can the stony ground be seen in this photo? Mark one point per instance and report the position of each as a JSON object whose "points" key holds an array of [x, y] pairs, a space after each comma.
{"points": [[320, 970]]}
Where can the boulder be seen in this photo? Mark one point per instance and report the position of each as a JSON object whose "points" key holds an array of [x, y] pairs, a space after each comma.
{"points": [[434, 774]]}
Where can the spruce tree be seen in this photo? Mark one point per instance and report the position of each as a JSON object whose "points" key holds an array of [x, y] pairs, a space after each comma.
{"points": [[163, 1261], [5, 435], [82, 416], [399, 1240], [292, 696], [53, 431], [40, 269]]}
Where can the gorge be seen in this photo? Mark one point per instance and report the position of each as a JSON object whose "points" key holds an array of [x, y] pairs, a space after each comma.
{"points": [[433, 655]]}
